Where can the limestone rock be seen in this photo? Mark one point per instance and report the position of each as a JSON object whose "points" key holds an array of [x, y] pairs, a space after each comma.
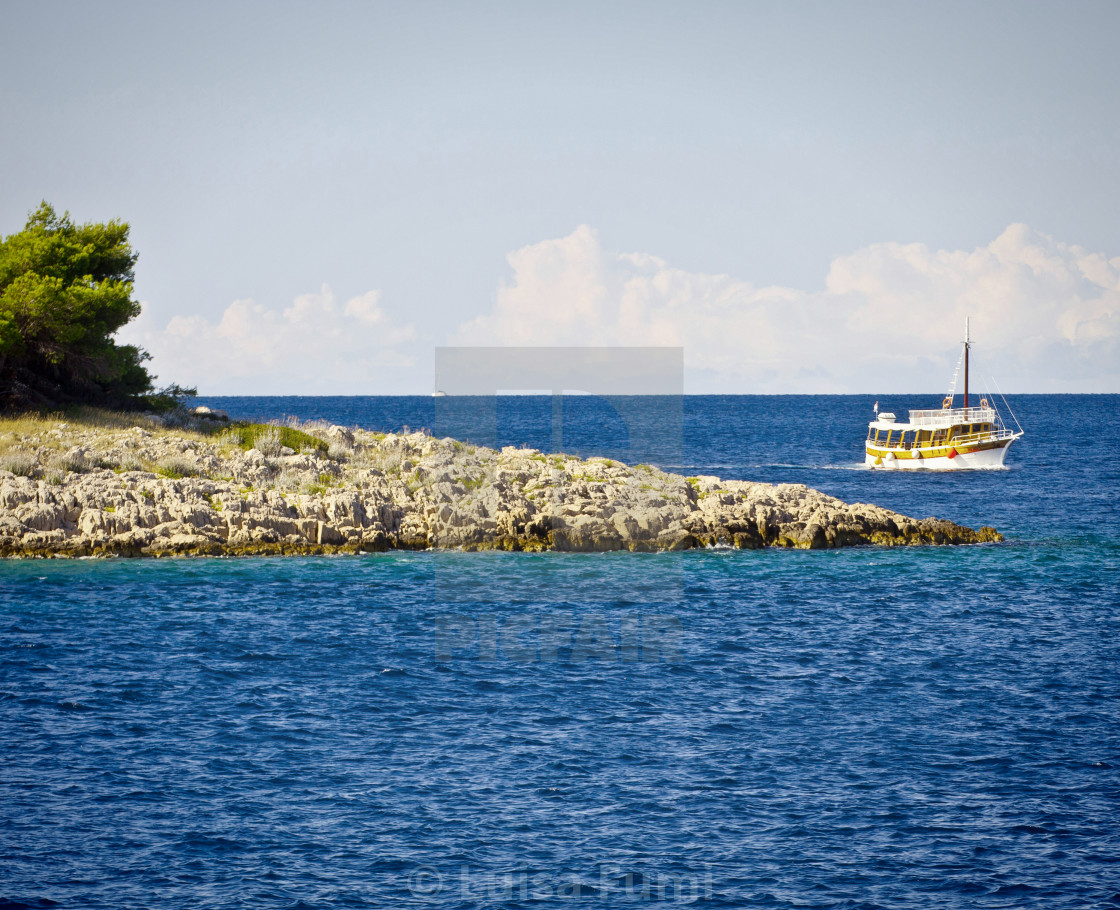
{"points": [[165, 492]]}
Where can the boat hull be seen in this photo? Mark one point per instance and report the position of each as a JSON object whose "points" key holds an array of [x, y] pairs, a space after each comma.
{"points": [[987, 456]]}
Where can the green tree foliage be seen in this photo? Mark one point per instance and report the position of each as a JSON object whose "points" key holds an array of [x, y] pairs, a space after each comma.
{"points": [[65, 289]]}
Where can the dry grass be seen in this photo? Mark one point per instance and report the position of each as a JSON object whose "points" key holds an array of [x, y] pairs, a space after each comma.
{"points": [[268, 442], [66, 464], [90, 422], [51, 446], [40, 444], [83, 418], [22, 464], [340, 451], [287, 481], [177, 466]]}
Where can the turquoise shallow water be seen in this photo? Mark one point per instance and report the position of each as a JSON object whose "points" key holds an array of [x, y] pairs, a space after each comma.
{"points": [[859, 728]]}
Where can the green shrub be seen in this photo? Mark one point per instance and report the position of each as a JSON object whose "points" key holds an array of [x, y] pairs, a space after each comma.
{"points": [[19, 463], [67, 463], [176, 468], [268, 443], [339, 450], [247, 435]]}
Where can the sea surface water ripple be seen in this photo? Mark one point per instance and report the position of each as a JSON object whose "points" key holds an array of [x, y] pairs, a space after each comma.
{"points": [[921, 727]]}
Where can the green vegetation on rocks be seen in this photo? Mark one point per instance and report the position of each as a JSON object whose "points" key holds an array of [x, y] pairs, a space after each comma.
{"points": [[269, 438]]}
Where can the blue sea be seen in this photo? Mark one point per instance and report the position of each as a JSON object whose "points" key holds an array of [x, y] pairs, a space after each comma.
{"points": [[861, 728]]}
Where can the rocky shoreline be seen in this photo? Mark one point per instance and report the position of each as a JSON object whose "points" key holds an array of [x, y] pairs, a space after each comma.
{"points": [[137, 488]]}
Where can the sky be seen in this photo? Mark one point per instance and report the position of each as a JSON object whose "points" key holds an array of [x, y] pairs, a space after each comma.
{"points": [[806, 197]]}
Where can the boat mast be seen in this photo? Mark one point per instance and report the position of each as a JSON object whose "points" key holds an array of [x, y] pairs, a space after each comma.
{"points": [[966, 361]]}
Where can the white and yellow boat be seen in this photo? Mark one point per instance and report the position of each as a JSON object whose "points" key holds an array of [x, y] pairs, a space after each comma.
{"points": [[945, 439]]}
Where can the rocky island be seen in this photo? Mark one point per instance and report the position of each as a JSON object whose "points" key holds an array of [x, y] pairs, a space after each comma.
{"points": [[133, 486]]}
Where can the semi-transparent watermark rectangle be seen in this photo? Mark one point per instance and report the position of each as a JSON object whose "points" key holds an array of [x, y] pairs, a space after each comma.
{"points": [[623, 405]]}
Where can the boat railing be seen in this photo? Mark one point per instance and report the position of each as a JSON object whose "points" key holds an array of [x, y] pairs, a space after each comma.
{"points": [[945, 416], [960, 439]]}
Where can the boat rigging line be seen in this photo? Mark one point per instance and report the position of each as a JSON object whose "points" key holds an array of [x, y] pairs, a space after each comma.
{"points": [[1009, 411]]}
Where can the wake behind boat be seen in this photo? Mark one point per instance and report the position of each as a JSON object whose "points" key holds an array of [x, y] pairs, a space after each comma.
{"points": [[942, 439]]}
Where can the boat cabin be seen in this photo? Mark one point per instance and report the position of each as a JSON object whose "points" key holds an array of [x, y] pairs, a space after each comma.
{"points": [[933, 428]]}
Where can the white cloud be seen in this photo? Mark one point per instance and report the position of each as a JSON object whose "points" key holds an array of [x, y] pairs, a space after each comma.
{"points": [[1046, 315], [314, 346]]}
